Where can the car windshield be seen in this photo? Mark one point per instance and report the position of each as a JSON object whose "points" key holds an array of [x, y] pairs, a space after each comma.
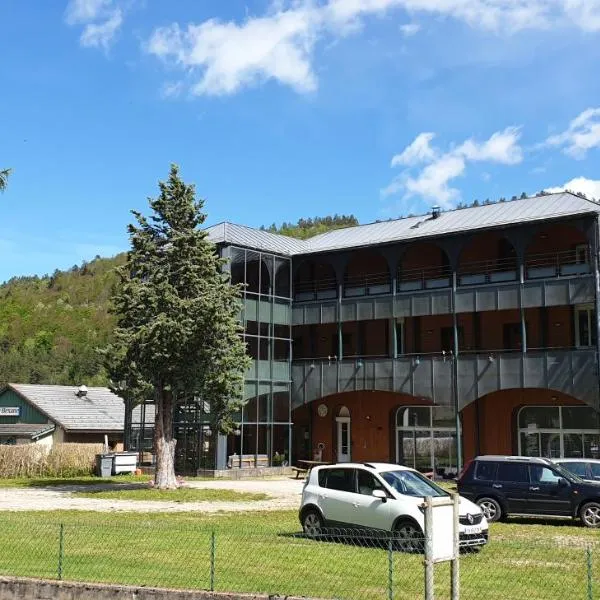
{"points": [[410, 483]]}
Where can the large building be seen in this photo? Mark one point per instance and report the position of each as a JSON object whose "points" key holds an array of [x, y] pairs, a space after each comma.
{"points": [[425, 340]]}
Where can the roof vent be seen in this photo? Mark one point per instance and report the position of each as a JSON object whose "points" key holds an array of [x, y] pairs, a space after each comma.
{"points": [[81, 391], [435, 211]]}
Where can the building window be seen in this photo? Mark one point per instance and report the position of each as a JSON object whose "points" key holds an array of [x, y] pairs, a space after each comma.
{"points": [[585, 326], [559, 431], [426, 439]]}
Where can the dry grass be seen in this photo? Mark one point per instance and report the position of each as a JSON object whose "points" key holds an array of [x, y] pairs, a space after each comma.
{"points": [[62, 460]]}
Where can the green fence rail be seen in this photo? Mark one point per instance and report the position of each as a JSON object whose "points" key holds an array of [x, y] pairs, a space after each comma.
{"points": [[341, 565]]}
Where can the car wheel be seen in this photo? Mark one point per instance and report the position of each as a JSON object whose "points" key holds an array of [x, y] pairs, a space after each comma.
{"points": [[312, 524], [590, 514], [490, 508], [408, 537]]}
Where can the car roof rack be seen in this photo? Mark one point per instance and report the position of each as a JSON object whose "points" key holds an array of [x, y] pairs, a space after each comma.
{"points": [[369, 465]]}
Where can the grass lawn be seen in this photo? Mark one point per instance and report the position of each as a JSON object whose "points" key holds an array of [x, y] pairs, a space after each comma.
{"points": [[182, 494], [257, 552]]}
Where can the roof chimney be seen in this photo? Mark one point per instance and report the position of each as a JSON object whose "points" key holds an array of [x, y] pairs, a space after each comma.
{"points": [[81, 391], [435, 211]]}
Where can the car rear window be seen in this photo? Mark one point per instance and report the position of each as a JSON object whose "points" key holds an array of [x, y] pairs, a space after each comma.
{"points": [[486, 470], [513, 472], [579, 468], [337, 479]]}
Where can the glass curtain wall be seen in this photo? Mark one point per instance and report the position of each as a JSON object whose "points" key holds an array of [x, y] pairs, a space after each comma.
{"points": [[263, 437]]}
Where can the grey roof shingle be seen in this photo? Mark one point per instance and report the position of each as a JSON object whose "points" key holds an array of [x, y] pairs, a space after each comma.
{"points": [[25, 430], [99, 410], [501, 214]]}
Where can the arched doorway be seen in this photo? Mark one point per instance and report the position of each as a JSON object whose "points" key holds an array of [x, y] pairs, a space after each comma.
{"points": [[343, 422], [426, 439]]}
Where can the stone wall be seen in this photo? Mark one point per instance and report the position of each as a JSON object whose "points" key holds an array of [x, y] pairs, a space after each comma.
{"points": [[12, 588]]}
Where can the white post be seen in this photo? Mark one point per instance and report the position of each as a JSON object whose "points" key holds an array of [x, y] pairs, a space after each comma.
{"points": [[429, 581], [455, 590]]}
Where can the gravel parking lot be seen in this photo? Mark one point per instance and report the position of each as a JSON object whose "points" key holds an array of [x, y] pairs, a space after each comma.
{"points": [[285, 495]]}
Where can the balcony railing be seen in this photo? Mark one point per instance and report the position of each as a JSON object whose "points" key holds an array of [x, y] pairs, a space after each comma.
{"points": [[370, 284], [424, 279], [488, 271], [322, 289], [557, 264], [571, 371]]}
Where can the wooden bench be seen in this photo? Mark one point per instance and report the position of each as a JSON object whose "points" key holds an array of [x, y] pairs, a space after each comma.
{"points": [[299, 471]]}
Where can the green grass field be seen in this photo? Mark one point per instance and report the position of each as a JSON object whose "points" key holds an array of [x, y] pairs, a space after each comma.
{"points": [[32, 482], [257, 552]]}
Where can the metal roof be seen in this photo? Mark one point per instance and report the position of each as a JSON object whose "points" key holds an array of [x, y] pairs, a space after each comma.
{"points": [[247, 237], [500, 214], [99, 410], [25, 430]]}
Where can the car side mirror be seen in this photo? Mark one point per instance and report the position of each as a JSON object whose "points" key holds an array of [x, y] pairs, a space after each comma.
{"points": [[380, 494], [562, 482]]}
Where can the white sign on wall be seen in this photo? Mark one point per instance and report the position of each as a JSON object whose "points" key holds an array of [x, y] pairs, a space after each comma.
{"points": [[10, 411]]}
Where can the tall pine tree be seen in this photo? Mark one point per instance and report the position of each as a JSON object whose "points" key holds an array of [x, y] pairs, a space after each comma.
{"points": [[178, 330]]}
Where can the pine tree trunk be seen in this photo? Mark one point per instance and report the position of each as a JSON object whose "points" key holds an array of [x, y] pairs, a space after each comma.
{"points": [[164, 443]]}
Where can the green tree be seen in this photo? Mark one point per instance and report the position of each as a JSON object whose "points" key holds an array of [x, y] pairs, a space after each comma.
{"points": [[4, 178], [178, 332]]}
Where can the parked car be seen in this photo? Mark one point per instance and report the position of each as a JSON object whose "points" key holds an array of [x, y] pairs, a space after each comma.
{"points": [[517, 485], [379, 496], [586, 468]]}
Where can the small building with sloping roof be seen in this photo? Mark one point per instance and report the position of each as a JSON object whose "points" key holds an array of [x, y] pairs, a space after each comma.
{"points": [[49, 414]]}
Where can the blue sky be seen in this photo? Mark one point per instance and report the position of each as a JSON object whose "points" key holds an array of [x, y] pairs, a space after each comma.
{"points": [[285, 109]]}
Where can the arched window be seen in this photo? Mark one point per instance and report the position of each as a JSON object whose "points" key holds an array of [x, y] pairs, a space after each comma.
{"points": [[559, 431], [426, 439]]}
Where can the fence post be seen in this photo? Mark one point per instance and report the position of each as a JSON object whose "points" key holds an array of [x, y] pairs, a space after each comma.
{"points": [[590, 582], [61, 550], [390, 570], [455, 567], [429, 590], [212, 561]]}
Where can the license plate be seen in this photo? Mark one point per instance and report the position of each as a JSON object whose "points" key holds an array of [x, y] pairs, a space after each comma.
{"points": [[472, 529]]}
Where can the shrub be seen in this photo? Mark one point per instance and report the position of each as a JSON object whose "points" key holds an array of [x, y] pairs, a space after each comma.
{"points": [[62, 460]]}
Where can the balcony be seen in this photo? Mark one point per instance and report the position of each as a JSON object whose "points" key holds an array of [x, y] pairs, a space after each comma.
{"points": [[431, 278], [560, 264], [486, 272], [569, 371]]}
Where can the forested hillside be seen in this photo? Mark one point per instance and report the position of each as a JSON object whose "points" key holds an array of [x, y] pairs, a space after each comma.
{"points": [[306, 228], [51, 327]]}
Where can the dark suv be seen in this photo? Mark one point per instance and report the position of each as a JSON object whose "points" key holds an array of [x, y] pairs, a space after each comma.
{"points": [[508, 485]]}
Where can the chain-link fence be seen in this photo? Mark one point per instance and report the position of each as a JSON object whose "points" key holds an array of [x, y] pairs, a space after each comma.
{"points": [[339, 564]]}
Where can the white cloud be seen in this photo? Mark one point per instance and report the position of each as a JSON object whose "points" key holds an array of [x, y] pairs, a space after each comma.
{"points": [[279, 45], [582, 135], [433, 180], [589, 187], [419, 151], [502, 147], [101, 19], [410, 29]]}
